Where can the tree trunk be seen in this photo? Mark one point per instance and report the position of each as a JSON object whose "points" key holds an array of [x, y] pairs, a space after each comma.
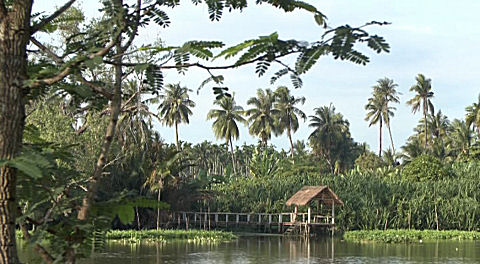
{"points": [[158, 209], [391, 138], [115, 106], [380, 150], [14, 36], [425, 123], [233, 156], [289, 134], [176, 136]]}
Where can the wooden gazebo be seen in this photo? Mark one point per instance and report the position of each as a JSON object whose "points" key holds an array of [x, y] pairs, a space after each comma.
{"points": [[323, 195]]}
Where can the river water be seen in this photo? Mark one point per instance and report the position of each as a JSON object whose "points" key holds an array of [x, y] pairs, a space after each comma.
{"points": [[275, 249], [285, 250]]}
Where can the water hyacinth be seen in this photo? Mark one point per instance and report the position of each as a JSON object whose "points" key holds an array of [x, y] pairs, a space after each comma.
{"points": [[163, 235], [413, 236]]}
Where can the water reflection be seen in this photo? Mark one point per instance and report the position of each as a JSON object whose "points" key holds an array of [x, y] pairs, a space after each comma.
{"points": [[286, 250]]}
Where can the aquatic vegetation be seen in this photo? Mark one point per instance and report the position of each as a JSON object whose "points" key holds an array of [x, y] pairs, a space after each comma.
{"points": [[165, 235], [405, 235]]}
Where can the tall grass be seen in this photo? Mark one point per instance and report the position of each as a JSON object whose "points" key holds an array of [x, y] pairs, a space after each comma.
{"points": [[378, 199]]}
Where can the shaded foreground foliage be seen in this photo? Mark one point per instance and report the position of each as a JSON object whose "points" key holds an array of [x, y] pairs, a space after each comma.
{"points": [[375, 199]]}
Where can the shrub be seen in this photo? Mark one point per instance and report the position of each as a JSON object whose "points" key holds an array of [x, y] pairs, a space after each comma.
{"points": [[424, 168]]}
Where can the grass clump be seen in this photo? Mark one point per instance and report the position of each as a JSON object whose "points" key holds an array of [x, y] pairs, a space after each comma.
{"points": [[405, 235], [164, 235]]}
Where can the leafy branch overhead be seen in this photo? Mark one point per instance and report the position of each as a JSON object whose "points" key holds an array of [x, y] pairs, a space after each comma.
{"points": [[266, 51]]}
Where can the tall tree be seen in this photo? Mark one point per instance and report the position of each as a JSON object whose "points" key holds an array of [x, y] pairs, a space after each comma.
{"points": [[288, 113], [262, 115], [460, 138], [226, 119], [175, 107], [329, 129], [422, 99], [473, 115], [375, 108], [386, 88]]}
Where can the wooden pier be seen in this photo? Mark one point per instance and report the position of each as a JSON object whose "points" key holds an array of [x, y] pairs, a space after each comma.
{"points": [[321, 197], [273, 222]]}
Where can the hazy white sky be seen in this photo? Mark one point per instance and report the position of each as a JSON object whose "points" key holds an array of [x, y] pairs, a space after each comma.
{"points": [[435, 37]]}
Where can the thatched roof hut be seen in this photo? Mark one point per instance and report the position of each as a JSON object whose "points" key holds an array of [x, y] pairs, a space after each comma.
{"points": [[323, 194]]}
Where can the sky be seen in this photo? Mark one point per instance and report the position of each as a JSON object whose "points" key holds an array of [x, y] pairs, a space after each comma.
{"points": [[437, 38]]}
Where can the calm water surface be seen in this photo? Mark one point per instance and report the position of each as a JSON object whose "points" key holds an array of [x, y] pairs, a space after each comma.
{"points": [[285, 250]]}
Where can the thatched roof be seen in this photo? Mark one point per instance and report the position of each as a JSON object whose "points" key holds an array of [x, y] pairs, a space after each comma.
{"points": [[309, 193]]}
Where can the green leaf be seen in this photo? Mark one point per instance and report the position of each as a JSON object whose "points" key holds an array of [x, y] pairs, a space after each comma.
{"points": [[27, 168], [234, 50], [378, 44], [125, 213], [320, 19]]}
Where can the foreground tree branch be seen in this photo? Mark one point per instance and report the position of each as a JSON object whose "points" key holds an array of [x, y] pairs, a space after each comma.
{"points": [[50, 18], [115, 108]]}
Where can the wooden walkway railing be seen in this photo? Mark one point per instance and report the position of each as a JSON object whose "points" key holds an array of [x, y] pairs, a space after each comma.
{"points": [[215, 219]]}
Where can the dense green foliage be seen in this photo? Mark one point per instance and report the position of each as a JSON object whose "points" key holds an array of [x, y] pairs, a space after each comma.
{"points": [[425, 168], [405, 235], [376, 199]]}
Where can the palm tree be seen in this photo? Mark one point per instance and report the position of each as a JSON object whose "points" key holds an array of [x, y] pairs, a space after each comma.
{"points": [[225, 124], [329, 126], [438, 124], [411, 149], [459, 140], [262, 115], [175, 107], [287, 113], [422, 99], [375, 108], [165, 164], [386, 88], [473, 115]]}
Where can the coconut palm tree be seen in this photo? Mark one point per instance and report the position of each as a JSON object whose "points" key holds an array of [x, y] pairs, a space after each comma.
{"points": [[175, 107], [438, 124], [460, 138], [386, 88], [375, 108], [422, 99], [412, 149], [329, 126], [288, 113], [262, 115], [226, 119], [473, 115]]}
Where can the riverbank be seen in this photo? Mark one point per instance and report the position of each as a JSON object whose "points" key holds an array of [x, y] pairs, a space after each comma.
{"points": [[166, 235], [411, 236]]}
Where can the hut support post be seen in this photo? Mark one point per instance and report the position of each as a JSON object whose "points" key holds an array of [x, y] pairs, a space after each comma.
{"points": [[333, 212], [309, 214], [295, 214]]}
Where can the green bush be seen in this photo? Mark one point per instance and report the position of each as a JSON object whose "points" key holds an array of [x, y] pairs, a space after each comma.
{"points": [[426, 167], [369, 161]]}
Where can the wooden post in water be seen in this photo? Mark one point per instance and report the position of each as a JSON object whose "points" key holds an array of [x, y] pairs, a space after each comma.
{"points": [[333, 217], [280, 225], [308, 215]]}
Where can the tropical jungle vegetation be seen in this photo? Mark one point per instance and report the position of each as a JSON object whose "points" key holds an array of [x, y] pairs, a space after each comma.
{"points": [[79, 154]]}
